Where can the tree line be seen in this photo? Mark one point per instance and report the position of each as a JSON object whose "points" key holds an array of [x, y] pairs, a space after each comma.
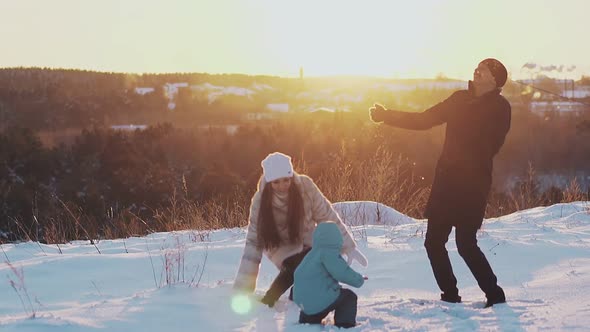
{"points": [[180, 172]]}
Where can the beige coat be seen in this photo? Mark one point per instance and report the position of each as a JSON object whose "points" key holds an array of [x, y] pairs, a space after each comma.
{"points": [[317, 209]]}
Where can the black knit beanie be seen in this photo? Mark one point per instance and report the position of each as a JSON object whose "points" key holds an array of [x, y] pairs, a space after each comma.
{"points": [[498, 71]]}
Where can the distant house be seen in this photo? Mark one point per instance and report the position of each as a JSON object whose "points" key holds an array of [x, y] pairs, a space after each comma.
{"points": [[569, 107], [129, 127], [322, 110], [255, 116], [535, 81], [261, 87], [282, 108], [171, 91], [568, 87], [144, 90], [214, 92], [325, 107], [578, 92]]}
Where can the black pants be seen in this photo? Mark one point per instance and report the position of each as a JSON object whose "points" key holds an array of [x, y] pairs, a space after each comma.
{"points": [[437, 235], [344, 311], [284, 279]]}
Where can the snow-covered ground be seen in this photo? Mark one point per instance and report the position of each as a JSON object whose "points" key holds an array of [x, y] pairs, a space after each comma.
{"points": [[181, 281]]}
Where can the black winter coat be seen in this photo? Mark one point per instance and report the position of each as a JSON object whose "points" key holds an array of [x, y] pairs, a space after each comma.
{"points": [[476, 129]]}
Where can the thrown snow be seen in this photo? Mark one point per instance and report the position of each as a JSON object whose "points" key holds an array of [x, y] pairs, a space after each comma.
{"points": [[541, 257]]}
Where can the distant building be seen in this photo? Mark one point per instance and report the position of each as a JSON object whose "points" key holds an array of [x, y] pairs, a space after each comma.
{"points": [[562, 82], [171, 91], [256, 116], [214, 92], [282, 108], [144, 90], [129, 127], [322, 110], [569, 107], [568, 87], [578, 92], [261, 87]]}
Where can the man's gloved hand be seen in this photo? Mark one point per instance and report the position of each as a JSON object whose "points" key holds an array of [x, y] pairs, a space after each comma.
{"points": [[356, 255], [377, 112]]}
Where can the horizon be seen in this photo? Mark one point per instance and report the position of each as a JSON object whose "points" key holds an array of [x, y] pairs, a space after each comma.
{"points": [[379, 39], [335, 76], [229, 73]]}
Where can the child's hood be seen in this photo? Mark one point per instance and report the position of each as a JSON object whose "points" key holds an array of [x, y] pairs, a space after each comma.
{"points": [[327, 235]]}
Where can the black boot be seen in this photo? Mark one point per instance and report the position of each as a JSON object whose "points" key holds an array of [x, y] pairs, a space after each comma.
{"points": [[451, 298], [268, 301], [497, 297], [346, 325]]}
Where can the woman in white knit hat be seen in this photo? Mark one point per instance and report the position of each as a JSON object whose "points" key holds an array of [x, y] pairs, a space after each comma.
{"points": [[283, 216]]}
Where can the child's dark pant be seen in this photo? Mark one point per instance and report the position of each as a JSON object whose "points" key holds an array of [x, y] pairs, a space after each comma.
{"points": [[344, 311]]}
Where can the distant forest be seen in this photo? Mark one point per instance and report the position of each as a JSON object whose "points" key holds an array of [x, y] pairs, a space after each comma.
{"points": [[64, 174]]}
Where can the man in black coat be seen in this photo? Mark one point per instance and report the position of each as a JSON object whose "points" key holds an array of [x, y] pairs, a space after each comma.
{"points": [[477, 120]]}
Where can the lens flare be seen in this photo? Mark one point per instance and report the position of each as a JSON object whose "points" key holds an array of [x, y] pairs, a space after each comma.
{"points": [[240, 304]]}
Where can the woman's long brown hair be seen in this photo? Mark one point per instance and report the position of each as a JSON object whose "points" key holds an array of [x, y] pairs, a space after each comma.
{"points": [[268, 235]]}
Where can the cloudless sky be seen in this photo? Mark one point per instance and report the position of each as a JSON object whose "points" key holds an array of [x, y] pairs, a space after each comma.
{"points": [[386, 38]]}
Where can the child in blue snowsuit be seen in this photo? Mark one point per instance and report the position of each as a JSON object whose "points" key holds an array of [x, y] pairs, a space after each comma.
{"points": [[316, 289]]}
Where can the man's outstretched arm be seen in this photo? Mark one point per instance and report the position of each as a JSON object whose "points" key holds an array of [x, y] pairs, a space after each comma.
{"points": [[434, 116]]}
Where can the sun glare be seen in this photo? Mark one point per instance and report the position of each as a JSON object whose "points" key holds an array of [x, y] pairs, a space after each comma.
{"points": [[241, 304]]}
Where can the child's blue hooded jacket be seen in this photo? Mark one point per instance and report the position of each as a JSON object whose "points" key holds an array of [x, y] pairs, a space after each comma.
{"points": [[316, 285]]}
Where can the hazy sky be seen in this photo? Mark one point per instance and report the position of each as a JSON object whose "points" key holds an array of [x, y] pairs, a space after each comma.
{"points": [[386, 38]]}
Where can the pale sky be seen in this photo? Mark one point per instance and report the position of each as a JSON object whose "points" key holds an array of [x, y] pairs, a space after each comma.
{"points": [[385, 38]]}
